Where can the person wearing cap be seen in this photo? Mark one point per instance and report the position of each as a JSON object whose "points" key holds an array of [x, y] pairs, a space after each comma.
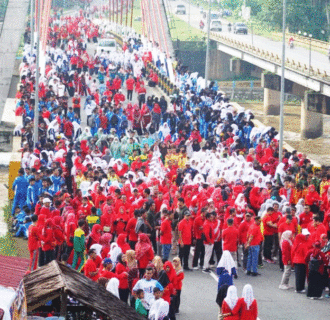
{"points": [[185, 239], [106, 272], [46, 207], [20, 187]]}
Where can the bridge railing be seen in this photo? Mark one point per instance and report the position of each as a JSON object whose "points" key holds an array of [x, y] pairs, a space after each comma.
{"points": [[270, 56]]}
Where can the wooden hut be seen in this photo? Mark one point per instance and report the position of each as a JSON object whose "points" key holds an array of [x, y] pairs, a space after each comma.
{"points": [[57, 280]]}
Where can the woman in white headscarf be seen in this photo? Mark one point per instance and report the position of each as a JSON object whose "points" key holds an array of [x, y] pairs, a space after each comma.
{"points": [[159, 309], [226, 269], [249, 306], [230, 305], [286, 245], [112, 286], [300, 207], [164, 130], [114, 252]]}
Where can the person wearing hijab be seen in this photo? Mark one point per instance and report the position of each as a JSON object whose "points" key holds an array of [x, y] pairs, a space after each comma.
{"points": [[122, 243], [286, 245], [95, 235], [105, 240], [226, 269], [299, 252], [112, 286], [316, 261], [230, 306], [144, 252], [48, 241], [178, 284], [121, 271], [249, 306], [114, 252], [222, 293]]}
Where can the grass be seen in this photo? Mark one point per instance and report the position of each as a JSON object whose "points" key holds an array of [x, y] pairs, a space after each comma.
{"points": [[10, 246]]}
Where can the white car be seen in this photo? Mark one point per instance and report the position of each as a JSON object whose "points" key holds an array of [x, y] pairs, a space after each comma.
{"points": [[215, 25], [108, 44]]}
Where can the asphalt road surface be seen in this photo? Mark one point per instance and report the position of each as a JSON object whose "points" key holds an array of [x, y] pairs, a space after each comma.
{"points": [[199, 294], [299, 54]]}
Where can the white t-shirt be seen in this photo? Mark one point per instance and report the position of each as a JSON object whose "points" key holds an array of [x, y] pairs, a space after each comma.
{"points": [[148, 287]]}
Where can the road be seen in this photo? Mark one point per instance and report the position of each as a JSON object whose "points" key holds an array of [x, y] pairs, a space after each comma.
{"points": [[199, 294], [299, 54]]}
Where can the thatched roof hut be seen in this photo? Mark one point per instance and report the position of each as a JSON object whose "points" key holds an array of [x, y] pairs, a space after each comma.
{"points": [[57, 280]]}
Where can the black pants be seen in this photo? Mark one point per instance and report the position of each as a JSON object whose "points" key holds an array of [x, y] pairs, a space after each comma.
{"points": [[41, 257], [142, 100], [123, 294], [68, 182], [49, 256], [300, 272], [142, 271], [184, 255], [129, 95], [260, 255], [268, 244], [280, 259], [199, 253], [132, 244], [77, 110], [177, 301], [245, 257], [276, 245]]}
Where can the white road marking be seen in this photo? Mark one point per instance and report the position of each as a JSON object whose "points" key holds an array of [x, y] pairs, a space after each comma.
{"points": [[214, 276]]}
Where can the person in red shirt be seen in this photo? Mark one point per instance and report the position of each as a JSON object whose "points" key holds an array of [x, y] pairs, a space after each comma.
{"points": [[178, 284], [122, 274], [142, 95], [48, 242], [117, 83], [269, 229], [306, 217], [208, 235], [68, 128], [316, 229], [288, 224], [185, 239], [242, 236], [166, 234], [119, 97], [249, 306], [90, 269], [144, 252], [34, 243], [130, 87], [231, 306], [230, 239], [130, 230], [199, 247], [254, 239], [105, 271], [286, 245]]}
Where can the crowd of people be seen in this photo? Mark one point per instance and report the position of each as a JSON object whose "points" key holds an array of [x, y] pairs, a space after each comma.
{"points": [[147, 177]]}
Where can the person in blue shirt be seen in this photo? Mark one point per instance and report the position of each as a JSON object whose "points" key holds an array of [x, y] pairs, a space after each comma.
{"points": [[20, 186], [23, 228], [46, 187], [57, 180], [31, 195], [70, 114]]}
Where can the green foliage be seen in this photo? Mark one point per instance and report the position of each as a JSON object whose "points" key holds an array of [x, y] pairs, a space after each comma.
{"points": [[7, 245]]}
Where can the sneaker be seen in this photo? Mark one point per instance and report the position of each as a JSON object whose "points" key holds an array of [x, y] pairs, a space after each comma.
{"points": [[311, 298], [195, 268], [326, 296], [283, 287], [248, 273], [301, 291], [206, 271], [187, 269], [320, 298], [275, 258], [260, 266], [254, 274], [212, 265], [269, 261]]}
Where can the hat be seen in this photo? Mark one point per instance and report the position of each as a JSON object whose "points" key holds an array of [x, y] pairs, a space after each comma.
{"points": [[46, 200], [305, 232], [107, 261]]}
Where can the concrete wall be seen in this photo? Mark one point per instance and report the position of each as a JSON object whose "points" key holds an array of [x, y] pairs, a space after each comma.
{"points": [[13, 28], [220, 65]]}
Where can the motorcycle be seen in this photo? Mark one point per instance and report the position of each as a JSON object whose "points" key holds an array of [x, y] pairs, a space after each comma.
{"points": [[229, 27], [291, 44], [201, 25]]}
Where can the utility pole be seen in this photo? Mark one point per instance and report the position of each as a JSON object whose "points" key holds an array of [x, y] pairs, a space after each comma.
{"points": [[36, 99], [32, 25], [207, 62], [282, 85]]}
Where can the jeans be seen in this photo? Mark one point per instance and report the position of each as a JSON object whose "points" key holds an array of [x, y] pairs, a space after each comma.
{"points": [[199, 253], [166, 251], [252, 261]]}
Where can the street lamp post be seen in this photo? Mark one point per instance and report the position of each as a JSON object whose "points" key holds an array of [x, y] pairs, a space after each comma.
{"points": [[282, 85], [207, 62]]}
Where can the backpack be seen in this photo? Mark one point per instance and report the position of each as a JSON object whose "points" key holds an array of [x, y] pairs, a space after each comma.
{"points": [[314, 264], [114, 121]]}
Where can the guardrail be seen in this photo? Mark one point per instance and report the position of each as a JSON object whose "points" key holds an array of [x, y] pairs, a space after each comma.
{"points": [[270, 56], [319, 44]]}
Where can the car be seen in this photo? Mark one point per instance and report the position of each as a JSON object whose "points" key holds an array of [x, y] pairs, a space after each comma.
{"points": [[180, 9], [107, 44], [240, 27], [215, 25]]}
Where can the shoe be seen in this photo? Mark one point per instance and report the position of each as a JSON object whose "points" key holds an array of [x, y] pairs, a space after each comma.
{"points": [[212, 265], [248, 273], [283, 287], [270, 261], [239, 265], [260, 266], [206, 271], [301, 291], [311, 298], [282, 270], [177, 312], [326, 296], [254, 274], [275, 258], [187, 269], [320, 298], [195, 268]]}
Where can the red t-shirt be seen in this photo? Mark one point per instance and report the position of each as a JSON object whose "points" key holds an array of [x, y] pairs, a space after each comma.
{"points": [[166, 232], [185, 227], [305, 219], [130, 84], [284, 226], [130, 229], [90, 267], [230, 239], [256, 234], [198, 227], [243, 230], [268, 231], [34, 238]]}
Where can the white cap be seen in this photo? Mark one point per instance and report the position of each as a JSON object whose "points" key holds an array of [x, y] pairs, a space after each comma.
{"points": [[305, 232], [46, 200]]}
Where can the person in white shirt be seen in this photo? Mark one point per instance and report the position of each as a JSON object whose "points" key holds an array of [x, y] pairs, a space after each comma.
{"points": [[148, 284]]}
